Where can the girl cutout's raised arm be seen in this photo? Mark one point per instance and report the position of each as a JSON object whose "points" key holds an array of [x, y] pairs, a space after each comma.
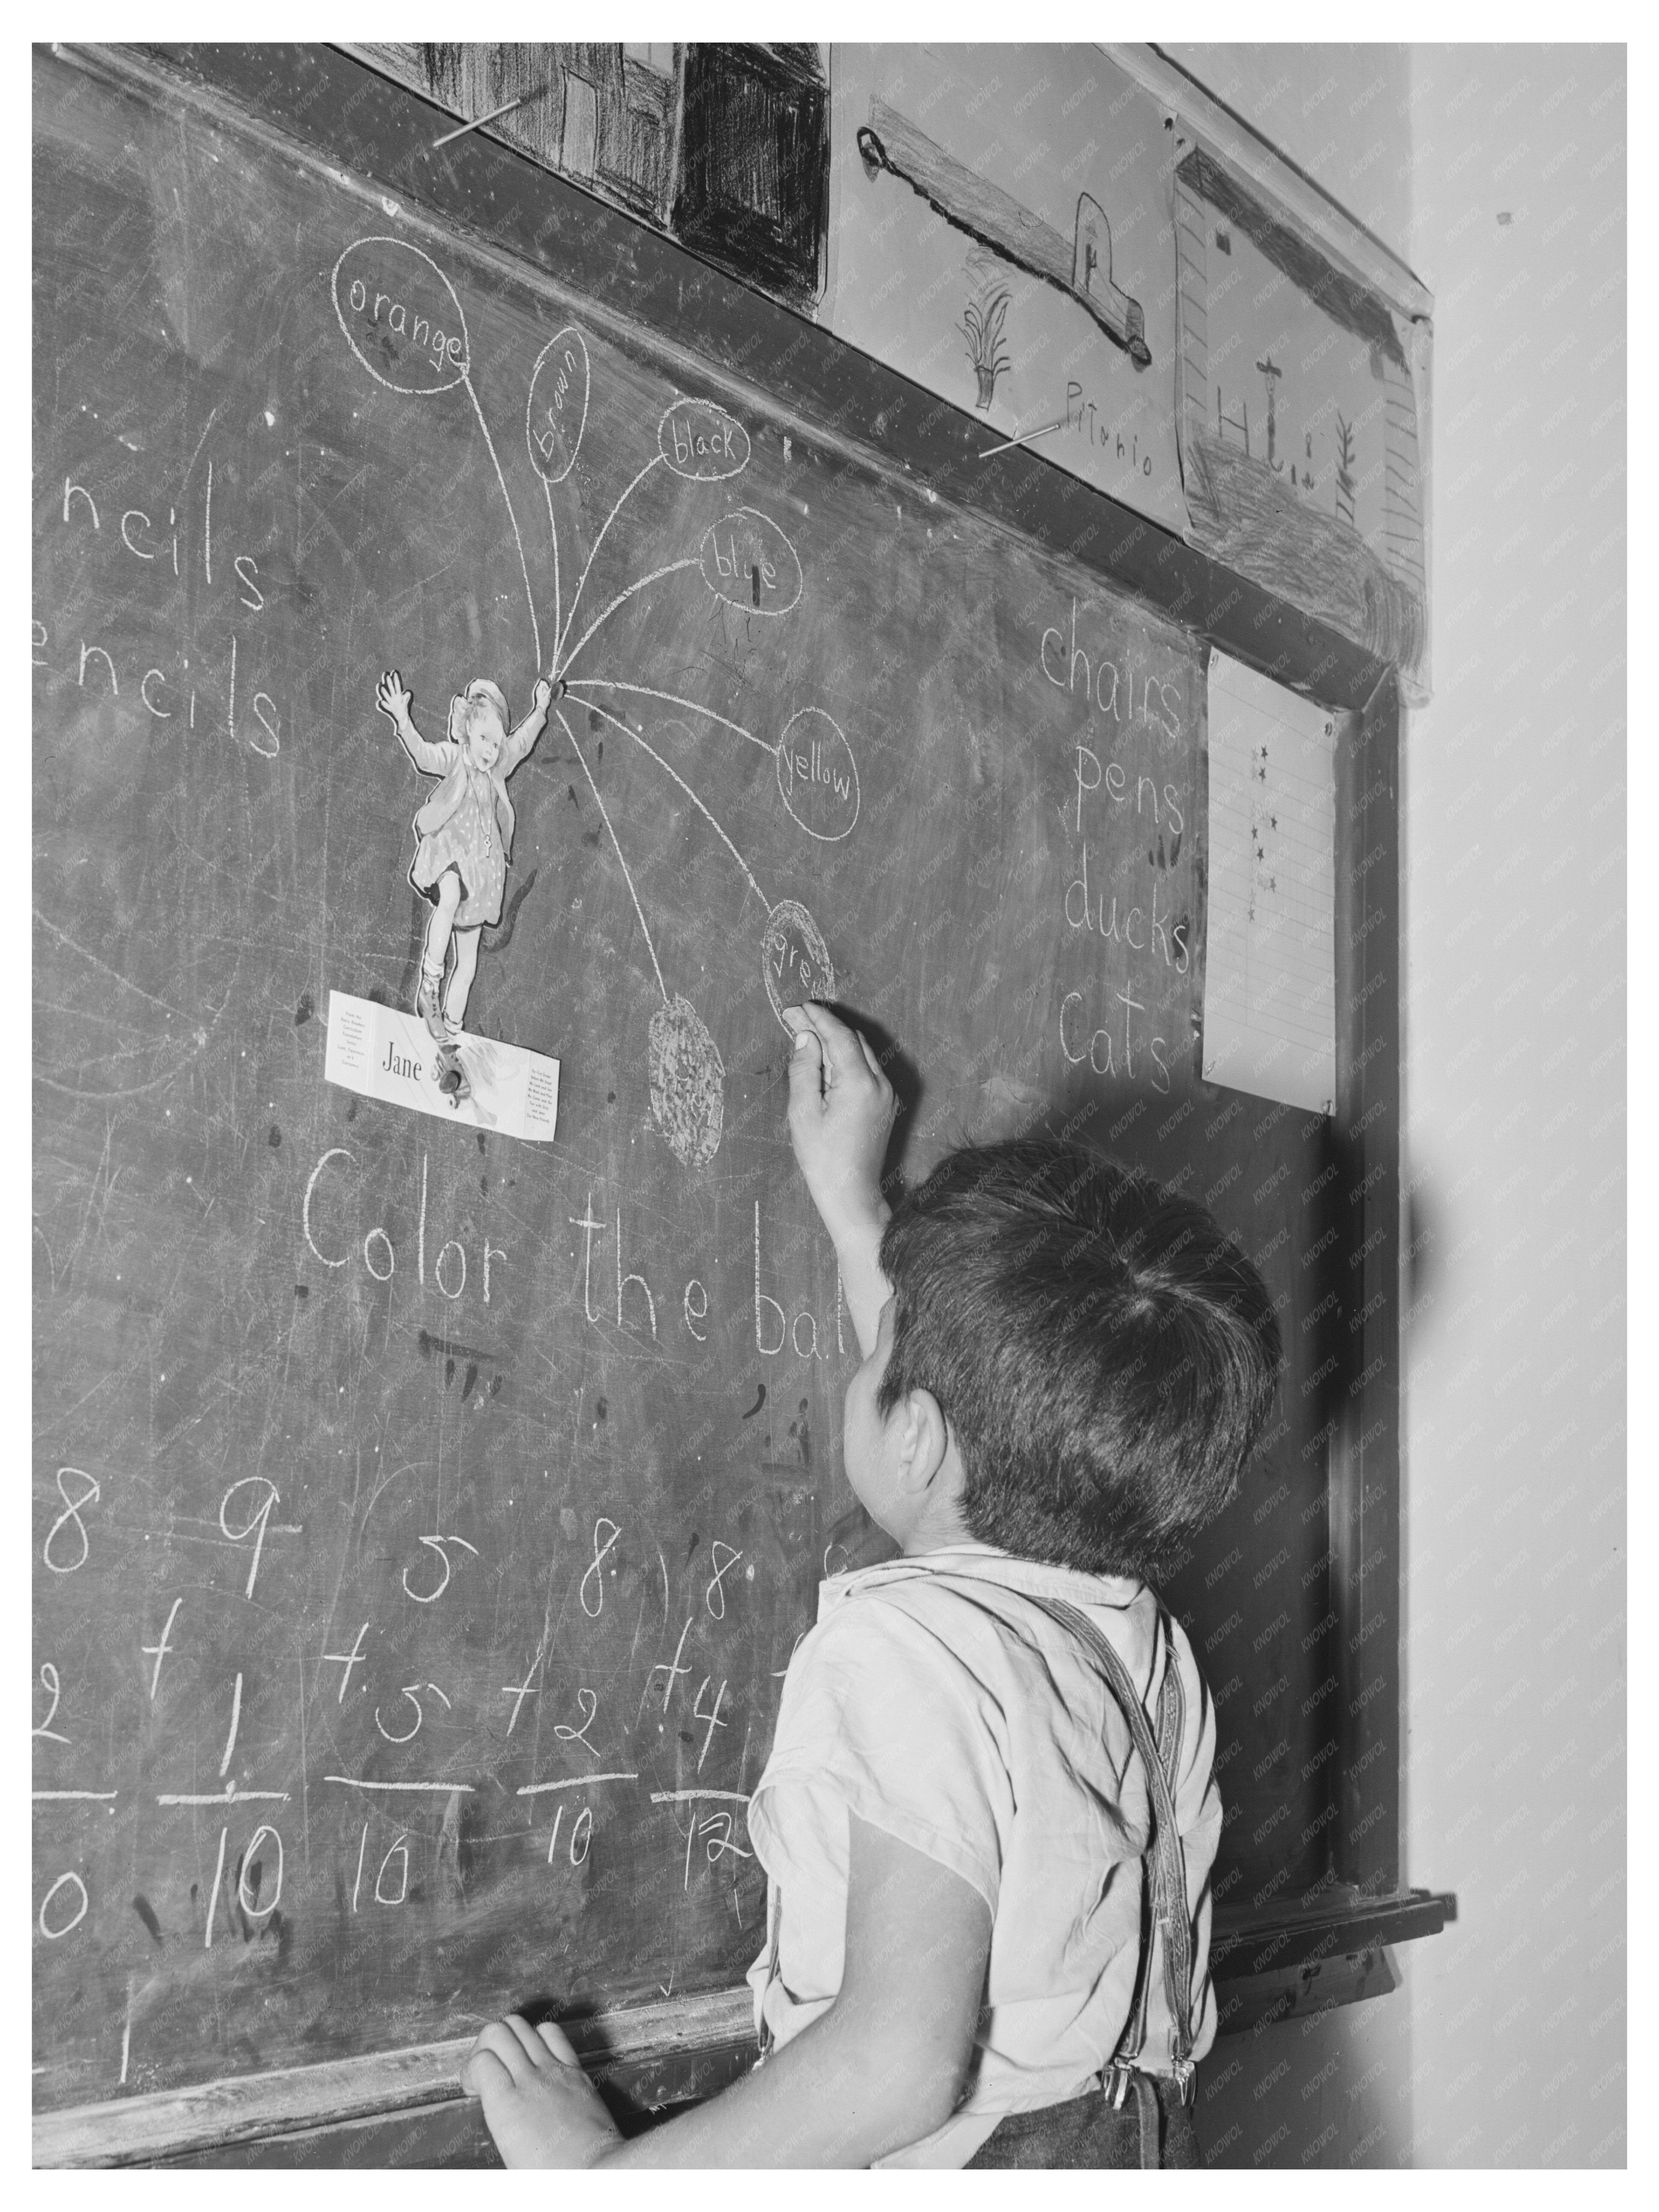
{"points": [[394, 698], [521, 741]]}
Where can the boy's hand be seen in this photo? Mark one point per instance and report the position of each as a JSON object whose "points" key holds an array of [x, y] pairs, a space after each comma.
{"points": [[542, 697], [393, 697], [538, 2105], [842, 1111]]}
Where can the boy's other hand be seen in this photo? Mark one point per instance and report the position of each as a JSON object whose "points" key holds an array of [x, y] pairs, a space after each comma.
{"points": [[538, 2103], [393, 696], [842, 1111]]}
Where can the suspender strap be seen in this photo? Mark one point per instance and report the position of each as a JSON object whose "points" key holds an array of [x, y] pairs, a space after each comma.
{"points": [[1171, 1727], [1166, 1926], [1167, 1875], [774, 1911]]}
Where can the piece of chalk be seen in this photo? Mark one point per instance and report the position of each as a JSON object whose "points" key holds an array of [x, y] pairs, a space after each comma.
{"points": [[494, 116]]}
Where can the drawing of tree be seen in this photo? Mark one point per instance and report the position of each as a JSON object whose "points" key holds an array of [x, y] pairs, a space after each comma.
{"points": [[982, 328], [1345, 485]]}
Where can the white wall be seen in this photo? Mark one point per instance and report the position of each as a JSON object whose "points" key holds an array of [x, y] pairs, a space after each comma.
{"points": [[1506, 2046]]}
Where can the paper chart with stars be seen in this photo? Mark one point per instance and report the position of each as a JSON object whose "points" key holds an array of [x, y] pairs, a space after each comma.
{"points": [[1270, 987]]}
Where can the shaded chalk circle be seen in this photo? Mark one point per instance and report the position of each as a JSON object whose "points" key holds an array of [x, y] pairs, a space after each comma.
{"points": [[817, 777], [687, 1083], [396, 300], [701, 442], [745, 558], [794, 959], [556, 412]]}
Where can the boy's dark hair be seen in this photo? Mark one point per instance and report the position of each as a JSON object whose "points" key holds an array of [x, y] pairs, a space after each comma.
{"points": [[1105, 1355]]}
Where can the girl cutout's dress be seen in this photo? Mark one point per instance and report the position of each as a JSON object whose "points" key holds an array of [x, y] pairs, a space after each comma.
{"points": [[470, 842]]}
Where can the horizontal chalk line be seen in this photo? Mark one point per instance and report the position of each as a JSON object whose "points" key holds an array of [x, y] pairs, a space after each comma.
{"points": [[573, 1782], [351, 1782], [229, 1797]]}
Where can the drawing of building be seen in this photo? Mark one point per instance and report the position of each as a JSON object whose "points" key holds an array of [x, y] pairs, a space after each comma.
{"points": [[726, 147], [1302, 530], [754, 187]]}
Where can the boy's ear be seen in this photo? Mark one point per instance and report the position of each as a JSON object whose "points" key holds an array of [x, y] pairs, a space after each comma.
{"points": [[926, 1440]]}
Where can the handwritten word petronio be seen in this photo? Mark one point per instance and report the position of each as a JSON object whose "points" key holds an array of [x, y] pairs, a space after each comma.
{"points": [[1081, 418]]}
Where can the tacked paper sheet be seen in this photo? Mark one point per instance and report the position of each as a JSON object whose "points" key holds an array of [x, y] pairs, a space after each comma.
{"points": [[386, 1054], [1270, 982]]}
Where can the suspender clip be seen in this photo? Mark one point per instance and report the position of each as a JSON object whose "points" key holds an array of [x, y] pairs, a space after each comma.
{"points": [[1115, 2085]]}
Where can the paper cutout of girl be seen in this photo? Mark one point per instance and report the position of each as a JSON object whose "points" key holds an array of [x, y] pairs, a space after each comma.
{"points": [[466, 833]]}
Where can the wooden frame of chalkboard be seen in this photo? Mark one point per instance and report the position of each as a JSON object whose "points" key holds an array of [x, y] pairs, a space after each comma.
{"points": [[1272, 1957]]}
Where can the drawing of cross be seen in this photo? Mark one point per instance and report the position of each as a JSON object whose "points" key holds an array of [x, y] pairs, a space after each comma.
{"points": [[1272, 372]]}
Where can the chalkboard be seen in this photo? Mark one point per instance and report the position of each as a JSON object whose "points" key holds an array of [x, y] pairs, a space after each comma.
{"points": [[423, 1517]]}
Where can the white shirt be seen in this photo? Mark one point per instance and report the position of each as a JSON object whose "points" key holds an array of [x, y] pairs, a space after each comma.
{"points": [[974, 1728]]}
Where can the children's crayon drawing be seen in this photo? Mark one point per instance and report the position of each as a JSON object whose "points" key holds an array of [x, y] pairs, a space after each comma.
{"points": [[1000, 230], [1298, 418]]}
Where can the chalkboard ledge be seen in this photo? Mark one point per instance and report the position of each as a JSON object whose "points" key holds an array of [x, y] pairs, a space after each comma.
{"points": [[1339, 1917], [1312, 1954], [1329, 1948], [645, 2056]]}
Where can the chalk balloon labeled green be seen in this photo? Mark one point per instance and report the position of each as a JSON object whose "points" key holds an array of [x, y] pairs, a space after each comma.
{"points": [[795, 961]]}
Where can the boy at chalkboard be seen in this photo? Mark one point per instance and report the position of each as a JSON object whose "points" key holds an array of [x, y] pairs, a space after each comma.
{"points": [[992, 1771]]}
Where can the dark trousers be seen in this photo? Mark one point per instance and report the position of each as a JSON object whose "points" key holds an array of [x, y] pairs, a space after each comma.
{"points": [[1151, 2127]]}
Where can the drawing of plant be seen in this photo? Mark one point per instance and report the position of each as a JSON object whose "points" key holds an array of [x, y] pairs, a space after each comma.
{"points": [[1345, 485], [982, 328]]}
